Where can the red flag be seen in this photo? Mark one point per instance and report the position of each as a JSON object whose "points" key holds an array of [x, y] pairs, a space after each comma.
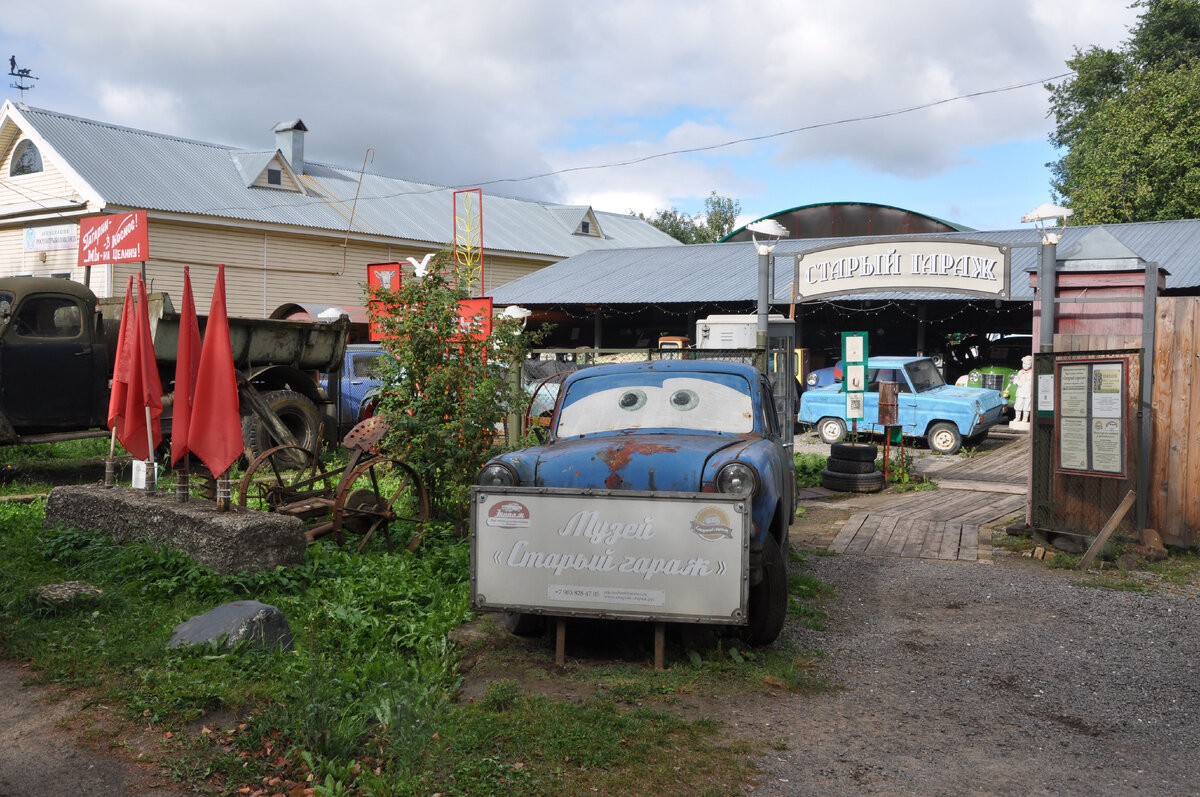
{"points": [[187, 364], [120, 382], [215, 432], [144, 388]]}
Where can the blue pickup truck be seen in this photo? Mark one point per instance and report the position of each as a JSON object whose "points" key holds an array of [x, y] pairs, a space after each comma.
{"points": [[945, 415]]}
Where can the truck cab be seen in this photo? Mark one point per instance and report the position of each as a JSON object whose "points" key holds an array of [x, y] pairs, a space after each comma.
{"points": [[53, 360]]}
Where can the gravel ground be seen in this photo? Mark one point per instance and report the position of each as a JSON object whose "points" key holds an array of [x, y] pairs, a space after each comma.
{"points": [[1004, 678]]}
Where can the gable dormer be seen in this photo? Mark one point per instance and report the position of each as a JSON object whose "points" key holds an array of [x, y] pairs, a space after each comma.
{"points": [[579, 219], [267, 169]]}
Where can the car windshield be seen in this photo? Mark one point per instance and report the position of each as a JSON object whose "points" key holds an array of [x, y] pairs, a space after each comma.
{"points": [[647, 400], [924, 375]]}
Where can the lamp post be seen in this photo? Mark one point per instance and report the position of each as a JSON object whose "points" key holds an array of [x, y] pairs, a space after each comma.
{"points": [[771, 229], [1047, 266]]}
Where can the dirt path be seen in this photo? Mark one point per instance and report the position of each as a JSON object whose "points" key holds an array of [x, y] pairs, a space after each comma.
{"points": [[41, 757]]}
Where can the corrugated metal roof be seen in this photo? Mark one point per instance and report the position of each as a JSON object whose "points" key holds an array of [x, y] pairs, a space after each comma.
{"points": [[728, 272], [140, 169]]}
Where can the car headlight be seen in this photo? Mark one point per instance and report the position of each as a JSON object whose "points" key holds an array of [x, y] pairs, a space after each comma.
{"points": [[737, 478], [811, 379], [496, 474]]}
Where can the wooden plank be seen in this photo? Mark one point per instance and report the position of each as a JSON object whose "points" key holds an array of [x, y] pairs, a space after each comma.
{"points": [[1164, 335], [984, 487], [998, 506], [879, 541], [950, 539], [932, 544], [951, 504], [917, 531], [1177, 453], [968, 546], [865, 534], [849, 529], [1107, 531], [1191, 510], [899, 537]]}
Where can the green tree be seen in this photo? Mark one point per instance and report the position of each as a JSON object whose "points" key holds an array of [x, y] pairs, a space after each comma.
{"points": [[715, 223], [1126, 122], [445, 389]]}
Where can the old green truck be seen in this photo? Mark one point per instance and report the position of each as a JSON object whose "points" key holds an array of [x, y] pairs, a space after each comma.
{"points": [[58, 343]]}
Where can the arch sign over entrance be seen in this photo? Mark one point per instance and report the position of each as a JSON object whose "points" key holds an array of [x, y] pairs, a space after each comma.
{"points": [[936, 265]]}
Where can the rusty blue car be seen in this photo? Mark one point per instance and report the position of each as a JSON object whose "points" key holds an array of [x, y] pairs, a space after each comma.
{"points": [[664, 430]]}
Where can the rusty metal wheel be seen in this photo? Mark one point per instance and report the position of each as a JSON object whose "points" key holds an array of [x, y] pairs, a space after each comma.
{"points": [[382, 495], [279, 476]]}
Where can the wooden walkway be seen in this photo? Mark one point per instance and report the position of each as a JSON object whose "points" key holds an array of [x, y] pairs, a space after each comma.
{"points": [[944, 524]]}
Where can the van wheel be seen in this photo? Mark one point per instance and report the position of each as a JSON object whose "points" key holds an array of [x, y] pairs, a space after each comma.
{"points": [[298, 414], [831, 429], [944, 438]]}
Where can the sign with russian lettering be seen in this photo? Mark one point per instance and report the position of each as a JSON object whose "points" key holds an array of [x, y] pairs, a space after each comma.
{"points": [[117, 238], [620, 554], [939, 265], [55, 236]]}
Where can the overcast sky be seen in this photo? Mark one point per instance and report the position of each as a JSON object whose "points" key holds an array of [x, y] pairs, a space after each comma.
{"points": [[462, 92]]}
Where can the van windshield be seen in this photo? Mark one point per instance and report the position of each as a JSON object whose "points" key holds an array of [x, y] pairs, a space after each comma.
{"points": [[924, 375]]}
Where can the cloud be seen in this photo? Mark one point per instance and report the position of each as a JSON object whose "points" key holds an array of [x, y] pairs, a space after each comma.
{"points": [[479, 90]]}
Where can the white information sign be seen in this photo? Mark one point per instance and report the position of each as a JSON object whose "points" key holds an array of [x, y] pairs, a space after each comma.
{"points": [[1045, 395], [627, 554], [905, 264]]}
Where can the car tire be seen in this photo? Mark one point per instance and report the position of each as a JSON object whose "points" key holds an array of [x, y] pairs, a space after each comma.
{"points": [[297, 413], [944, 438], [522, 624], [854, 452], [768, 598], [849, 466], [831, 429], [852, 482]]}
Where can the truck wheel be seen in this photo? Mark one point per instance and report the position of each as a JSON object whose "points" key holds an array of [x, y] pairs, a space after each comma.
{"points": [[831, 429], [768, 599], [944, 438], [298, 414]]}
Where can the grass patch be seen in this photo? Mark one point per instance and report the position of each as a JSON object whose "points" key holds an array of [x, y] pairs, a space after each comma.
{"points": [[808, 469]]}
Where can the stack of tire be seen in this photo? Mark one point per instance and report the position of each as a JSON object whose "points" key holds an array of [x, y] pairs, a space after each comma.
{"points": [[851, 469]]}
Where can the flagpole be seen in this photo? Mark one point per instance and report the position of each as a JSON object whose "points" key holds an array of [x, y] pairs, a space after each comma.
{"points": [[110, 476], [151, 467]]}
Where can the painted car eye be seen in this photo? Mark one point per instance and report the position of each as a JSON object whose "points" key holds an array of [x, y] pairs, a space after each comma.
{"points": [[632, 400], [685, 400]]}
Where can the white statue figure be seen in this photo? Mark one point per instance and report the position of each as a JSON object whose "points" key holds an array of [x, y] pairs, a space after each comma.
{"points": [[1023, 380]]}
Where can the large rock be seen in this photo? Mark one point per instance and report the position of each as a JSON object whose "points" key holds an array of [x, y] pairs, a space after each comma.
{"points": [[236, 622], [228, 542]]}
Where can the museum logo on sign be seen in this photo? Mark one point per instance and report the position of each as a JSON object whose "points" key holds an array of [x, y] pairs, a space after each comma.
{"points": [[712, 524], [508, 515]]}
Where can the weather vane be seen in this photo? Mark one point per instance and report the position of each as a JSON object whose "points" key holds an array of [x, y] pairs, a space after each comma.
{"points": [[21, 75]]}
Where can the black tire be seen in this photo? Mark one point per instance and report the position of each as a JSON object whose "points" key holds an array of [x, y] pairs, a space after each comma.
{"points": [[852, 482], [831, 429], [768, 598], [944, 438], [849, 466], [854, 452], [297, 413], [521, 624]]}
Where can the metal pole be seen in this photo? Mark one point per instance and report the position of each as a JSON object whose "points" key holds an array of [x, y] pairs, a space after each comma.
{"points": [[1048, 289], [1149, 314], [764, 297]]}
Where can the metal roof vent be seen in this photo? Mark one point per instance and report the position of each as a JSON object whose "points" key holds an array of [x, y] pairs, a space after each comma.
{"points": [[289, 140]]}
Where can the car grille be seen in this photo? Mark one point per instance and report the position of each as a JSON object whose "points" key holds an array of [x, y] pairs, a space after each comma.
{"points": [[993, 381]]}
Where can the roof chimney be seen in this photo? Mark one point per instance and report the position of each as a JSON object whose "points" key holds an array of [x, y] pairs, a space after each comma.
{"points": [[289, 140]]}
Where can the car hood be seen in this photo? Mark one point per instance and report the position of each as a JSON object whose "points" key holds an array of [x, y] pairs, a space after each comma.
{"points": [[986, 398], [672, 462]]}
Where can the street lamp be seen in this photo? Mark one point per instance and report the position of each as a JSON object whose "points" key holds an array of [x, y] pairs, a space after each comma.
{"points": [[772, 230], [1047, 265]]}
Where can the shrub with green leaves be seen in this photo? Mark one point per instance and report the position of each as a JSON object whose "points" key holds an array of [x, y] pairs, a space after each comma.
{"points": [[446, 388]]}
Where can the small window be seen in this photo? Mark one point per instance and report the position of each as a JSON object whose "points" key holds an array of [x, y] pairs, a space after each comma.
{"points": [[585, 228], [49, 317], [274, 177], [26, 159]]}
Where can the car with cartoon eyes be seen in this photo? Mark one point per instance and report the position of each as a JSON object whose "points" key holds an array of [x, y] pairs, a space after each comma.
{"points": [[946, 416], [657, 486]]}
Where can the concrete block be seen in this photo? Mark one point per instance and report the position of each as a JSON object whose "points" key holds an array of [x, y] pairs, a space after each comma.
{"points": [[227, 542]]}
